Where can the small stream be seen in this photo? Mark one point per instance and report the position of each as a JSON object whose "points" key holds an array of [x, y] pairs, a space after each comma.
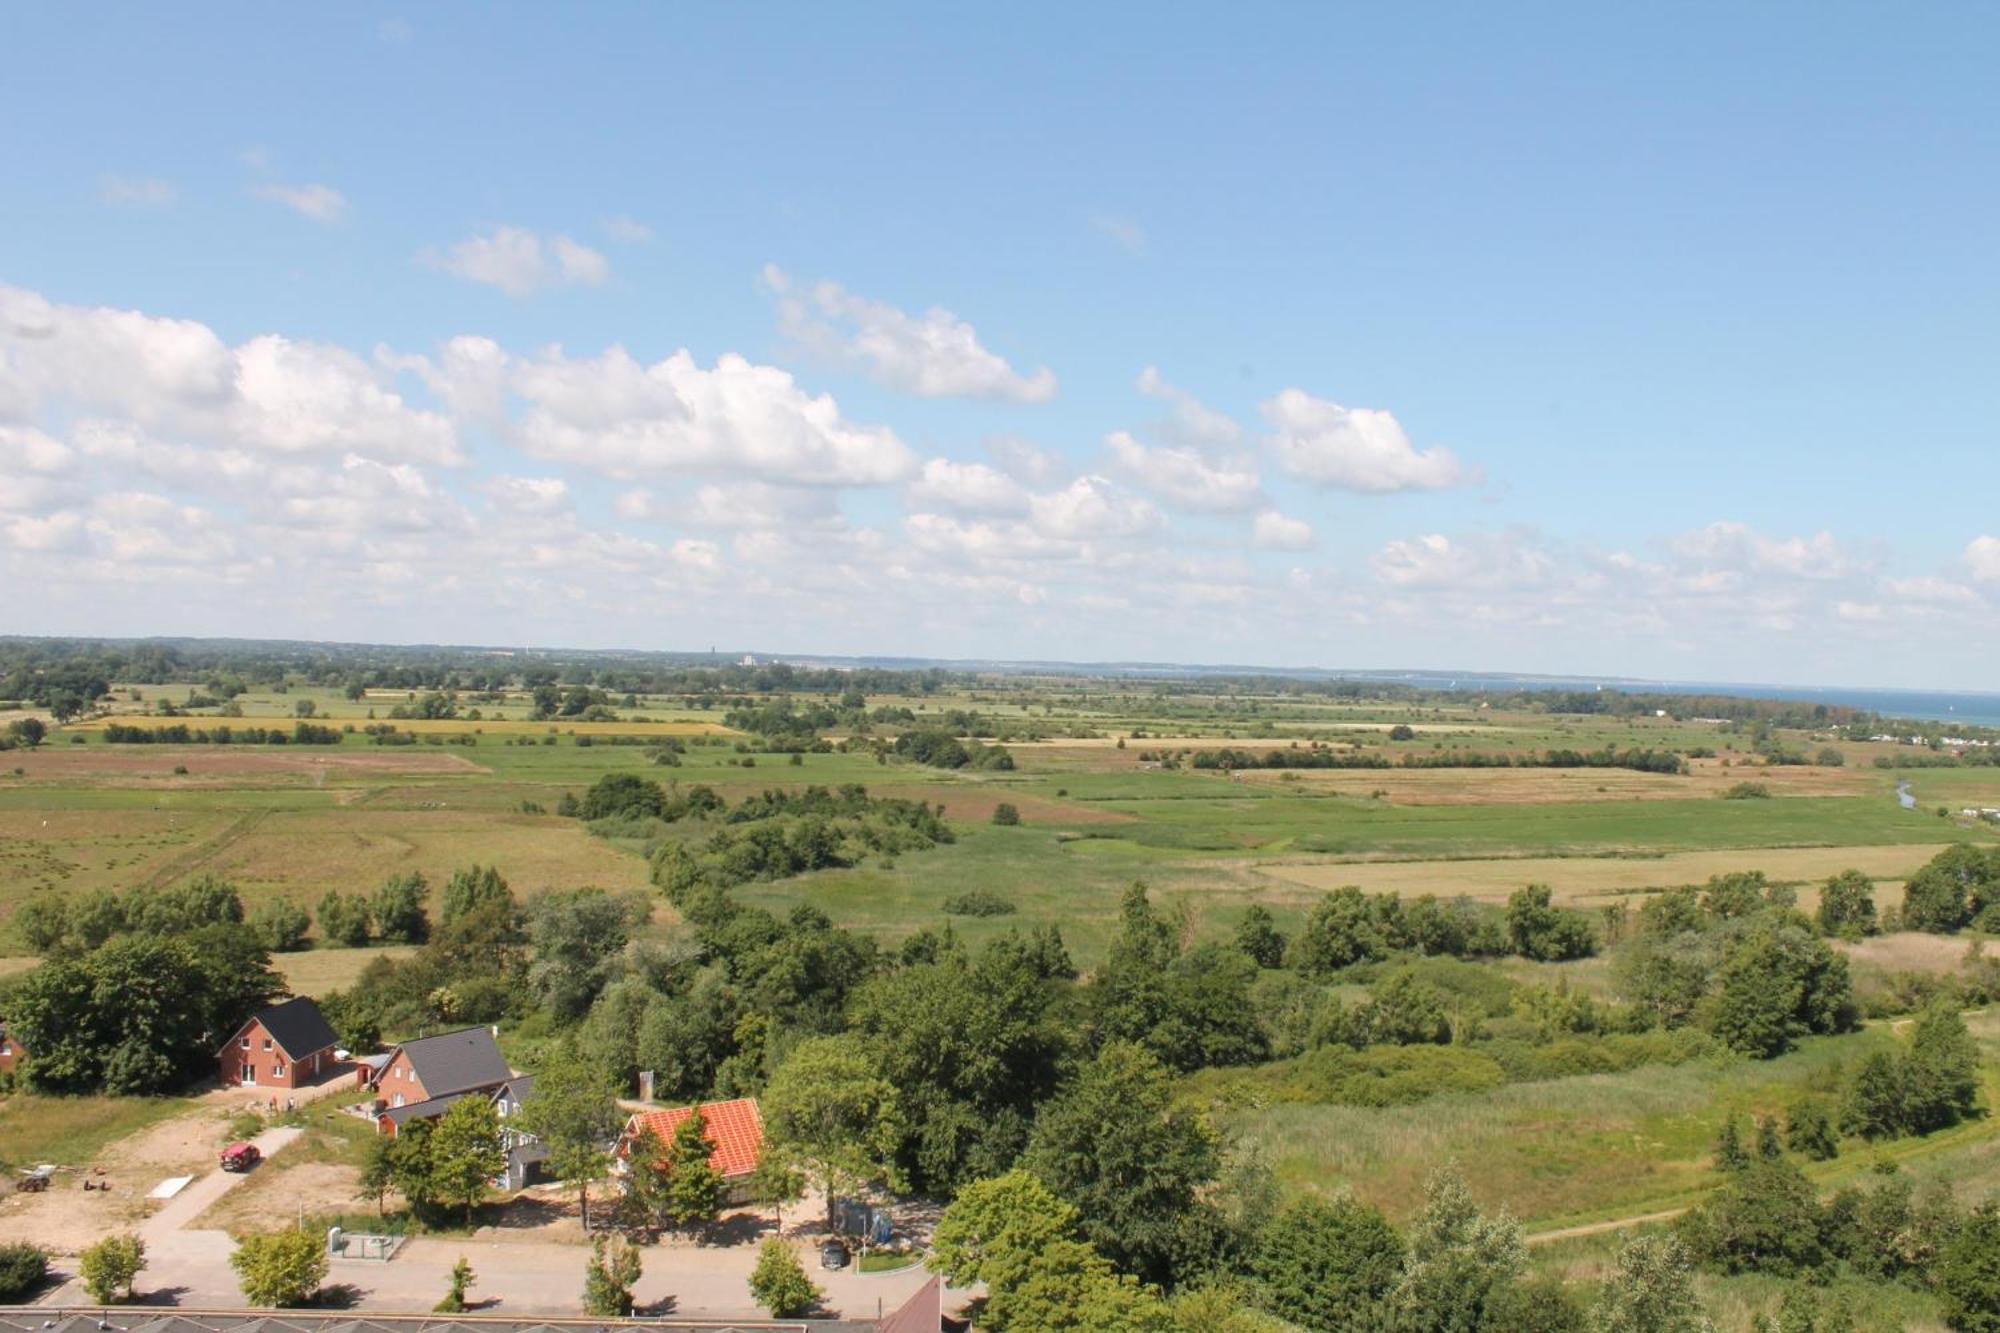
{"points": [[1906, 796]]}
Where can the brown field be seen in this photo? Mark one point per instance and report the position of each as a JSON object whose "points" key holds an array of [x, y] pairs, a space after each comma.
{"points": [[128, 765], [491, 726], [302, 853], [1544, 786], [318, 971], [1594, 879], [1911, 951]]}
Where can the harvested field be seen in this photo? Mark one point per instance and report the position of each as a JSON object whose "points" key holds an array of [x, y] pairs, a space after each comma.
{"points": [[153, 765], [1538, 786], [1595, 879], [318, 971], [452, 726]]}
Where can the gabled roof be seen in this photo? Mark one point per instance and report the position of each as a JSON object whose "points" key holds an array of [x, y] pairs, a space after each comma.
{"points": [[516, 1089], [735, 1127], [457, 1061], [297, 1026], [922, 1313], [423, 1110]]}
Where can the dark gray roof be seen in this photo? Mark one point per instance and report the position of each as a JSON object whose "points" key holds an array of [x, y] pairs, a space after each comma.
{"points": [[424, 1110], [297, 1026], [458, 1061], [515, 1089]]}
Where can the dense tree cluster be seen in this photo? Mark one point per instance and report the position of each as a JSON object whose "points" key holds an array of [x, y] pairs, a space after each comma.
{"points": [[1319, 755], [1957, 888]]}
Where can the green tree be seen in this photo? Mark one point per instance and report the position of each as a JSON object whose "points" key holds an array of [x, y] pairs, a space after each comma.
{"points": [[1135, 1166], [1537, 930], [693, 1188], [280, 925], [344, 918], [1729, 1153], [1006, 815], [1652, 1291], [1810, 1131], [462, 1278], [1941, 1071], [472, 889], [466, 1153], [779, 1282], [1765, 1218], [28, 731], [378, 1173], [1847, 906], [1328, 1264], [111, 1266], [1457, 1259], [280, 1268], [577, 937], [830, 1106], [1339, 932], [1257, 935], [1967, 1276], [609, 1275], [1952, 889], [574, 1113], [398, 909], [1873, 1107]]}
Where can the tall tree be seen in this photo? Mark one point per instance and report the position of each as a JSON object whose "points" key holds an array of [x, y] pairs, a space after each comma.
{"points": [[1458, 1258], [574, 1113], [829, 1105], [694, 1189], [1652, 1291], [466, 1153]]}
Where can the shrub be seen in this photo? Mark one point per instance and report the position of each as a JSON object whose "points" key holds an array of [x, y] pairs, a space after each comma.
{"points": [[978, 902], [1005, 814], [1747, 791], [110, 1267], [280, 1267], [779, 1282], [23, 1268]]}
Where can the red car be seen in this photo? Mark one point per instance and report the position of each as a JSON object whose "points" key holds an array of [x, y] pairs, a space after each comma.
{"points": [[240, 1157]]}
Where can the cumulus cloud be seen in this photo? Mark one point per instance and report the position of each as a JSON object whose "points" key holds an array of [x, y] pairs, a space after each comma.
{"points": [[1353, 448], [175, 376], [1982, 557], [968, 488], [1737, 547], [136, 191], [535, 496], [320, 203], [1126, 234], [1185, 478], [1274, 531], [932, 355], [628, 230], [629, 420], [1193, 422], [520, 262], [1092, 508], [1436, 561]]}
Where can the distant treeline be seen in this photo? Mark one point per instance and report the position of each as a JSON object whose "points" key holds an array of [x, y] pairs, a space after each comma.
{"points": [[179, 733], [1641, 760]]}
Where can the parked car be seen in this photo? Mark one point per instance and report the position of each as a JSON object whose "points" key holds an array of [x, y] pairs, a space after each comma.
{"points": [[832, 1254], [241, 1157]]}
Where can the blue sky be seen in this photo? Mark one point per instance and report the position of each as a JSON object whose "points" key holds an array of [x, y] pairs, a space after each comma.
{"points": [[1561, 338]]}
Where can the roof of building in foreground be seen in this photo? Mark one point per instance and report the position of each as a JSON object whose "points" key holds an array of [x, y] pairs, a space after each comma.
{"points": [[126, 1319]]}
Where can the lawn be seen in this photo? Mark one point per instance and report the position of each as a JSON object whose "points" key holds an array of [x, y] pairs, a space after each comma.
{"points": [[71, 1130]]}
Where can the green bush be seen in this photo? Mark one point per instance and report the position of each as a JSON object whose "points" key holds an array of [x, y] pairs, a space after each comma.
{"points": [[978, 902], [1747, 791], [23, 1268]]}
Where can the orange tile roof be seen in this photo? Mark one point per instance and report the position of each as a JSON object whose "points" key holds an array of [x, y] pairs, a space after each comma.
{"points": [[735, 1127]]}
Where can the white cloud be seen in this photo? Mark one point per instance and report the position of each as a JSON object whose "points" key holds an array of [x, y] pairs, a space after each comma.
{"points": [[1735, 546], [969, 488], [320, 203], [1436, 561], [1356, 449], [629, 420], [1278, 532], [934, 355], [1185, 478], [177, 377], [1092, 508], [136, 191], [1027, 462], [628, 230], [1193, 422], [519, 262], [537, 496], [1982, 557], [1128, 235]]}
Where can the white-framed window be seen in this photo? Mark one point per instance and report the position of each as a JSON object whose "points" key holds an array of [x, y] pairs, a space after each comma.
{"points": [[267, 1043], [278, 1069], [244, 1043], [397, 1100]]}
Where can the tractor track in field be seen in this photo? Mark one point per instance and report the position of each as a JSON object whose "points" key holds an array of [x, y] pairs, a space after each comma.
{"points": [[235, 831]]}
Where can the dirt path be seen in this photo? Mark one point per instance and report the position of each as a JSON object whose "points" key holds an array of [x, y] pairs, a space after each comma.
{"points": [[1599, 1228]]}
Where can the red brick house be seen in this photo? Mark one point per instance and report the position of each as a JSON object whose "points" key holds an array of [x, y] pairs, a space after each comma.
{"points": [[735, 1127], [12, 1053], [288, 1045], [423, 1078]]}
